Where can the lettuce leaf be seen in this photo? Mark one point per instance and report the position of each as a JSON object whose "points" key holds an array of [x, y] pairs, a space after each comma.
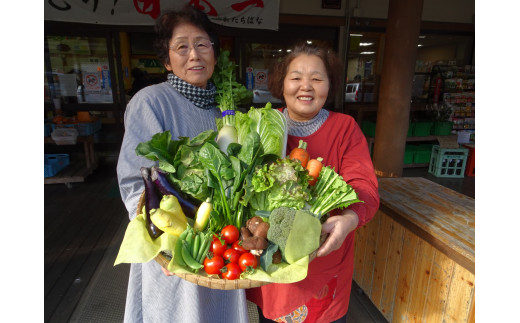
{"points": [[281, 183], [180, 159]]}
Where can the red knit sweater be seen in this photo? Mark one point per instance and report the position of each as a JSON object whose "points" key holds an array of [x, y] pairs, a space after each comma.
{"points": [[342, 145]]}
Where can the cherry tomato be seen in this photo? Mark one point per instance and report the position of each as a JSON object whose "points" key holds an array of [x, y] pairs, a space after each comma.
{"points": [[231, 255], [231, 271], [237, 245], [218, 247], [213, 265], [230, 233], [247, 261]]}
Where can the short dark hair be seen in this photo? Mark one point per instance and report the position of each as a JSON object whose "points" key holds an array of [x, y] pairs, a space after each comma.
{"points": [[170, 19], [332, 63]]}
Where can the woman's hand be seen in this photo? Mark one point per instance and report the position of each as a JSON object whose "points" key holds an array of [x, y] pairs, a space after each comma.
{"points": [[338, 227], [166, 272]]}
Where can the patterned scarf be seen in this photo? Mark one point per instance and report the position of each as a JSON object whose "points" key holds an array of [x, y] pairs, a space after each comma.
{"points": [[201, 98]]}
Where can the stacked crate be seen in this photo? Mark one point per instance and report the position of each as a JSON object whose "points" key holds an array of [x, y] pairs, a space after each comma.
{"points": [[448, 162]]}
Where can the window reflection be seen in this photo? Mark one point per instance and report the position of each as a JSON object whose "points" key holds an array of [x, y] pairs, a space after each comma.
{"points": [[80, 70]]}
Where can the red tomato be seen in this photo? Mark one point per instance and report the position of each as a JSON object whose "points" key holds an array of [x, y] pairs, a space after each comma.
{"points": [[231, 271], [218, 247], [237, 245], [247, 261], [230, 233], [213, 265], [231, 255]]}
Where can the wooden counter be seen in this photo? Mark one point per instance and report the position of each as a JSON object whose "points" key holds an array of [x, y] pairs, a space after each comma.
{"points": [[416, 258]]}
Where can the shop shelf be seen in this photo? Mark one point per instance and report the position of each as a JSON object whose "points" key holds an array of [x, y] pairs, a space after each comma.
{"points": [[448, 162], [55, 163]]}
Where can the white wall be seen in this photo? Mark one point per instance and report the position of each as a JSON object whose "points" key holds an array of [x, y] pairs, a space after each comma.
{"points": [[459, 11]]}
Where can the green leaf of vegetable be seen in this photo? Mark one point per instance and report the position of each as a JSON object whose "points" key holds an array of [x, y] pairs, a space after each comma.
{"points": [[160, 148]]}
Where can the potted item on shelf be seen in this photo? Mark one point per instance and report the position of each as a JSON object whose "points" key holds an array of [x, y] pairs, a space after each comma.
{"points": [[440, 114], [422, 128]]}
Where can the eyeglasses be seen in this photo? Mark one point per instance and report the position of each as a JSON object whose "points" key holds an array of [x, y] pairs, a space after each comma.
{"points": [[202, 46]]}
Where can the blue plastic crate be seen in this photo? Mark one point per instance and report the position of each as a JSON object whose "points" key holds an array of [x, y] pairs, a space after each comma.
{"points": [[48, 129], [448, 162], [55, 163]]}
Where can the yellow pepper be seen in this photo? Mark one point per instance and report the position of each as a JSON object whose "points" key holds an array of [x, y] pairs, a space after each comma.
{"points": [[169, 216], [171, 204]]}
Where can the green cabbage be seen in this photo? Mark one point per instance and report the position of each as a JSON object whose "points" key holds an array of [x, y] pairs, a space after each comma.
{"points": [[270, 124]]}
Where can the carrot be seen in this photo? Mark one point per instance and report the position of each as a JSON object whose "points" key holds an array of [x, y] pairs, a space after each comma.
{"points": [[314, 167], [300, 153]]}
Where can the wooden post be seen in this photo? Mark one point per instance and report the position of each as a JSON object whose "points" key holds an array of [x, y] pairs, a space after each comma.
{"points": [[402, 35]]}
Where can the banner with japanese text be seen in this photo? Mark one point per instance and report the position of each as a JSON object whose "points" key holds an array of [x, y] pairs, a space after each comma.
{"points": [[258, 14]]}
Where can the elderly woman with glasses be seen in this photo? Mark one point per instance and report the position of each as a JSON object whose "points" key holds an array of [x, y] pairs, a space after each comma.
{"points": [[184, 105]]}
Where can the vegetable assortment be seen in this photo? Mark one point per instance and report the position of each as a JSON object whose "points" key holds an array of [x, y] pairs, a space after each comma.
{"points": [[258, 209], [233, 201]]}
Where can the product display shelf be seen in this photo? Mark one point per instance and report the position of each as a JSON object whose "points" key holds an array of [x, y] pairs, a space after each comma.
{"points": [[78, 170]]}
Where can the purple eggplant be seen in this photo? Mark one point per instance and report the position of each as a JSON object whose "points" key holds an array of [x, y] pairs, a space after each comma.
{"points": [[151, 202], [165, 188]]}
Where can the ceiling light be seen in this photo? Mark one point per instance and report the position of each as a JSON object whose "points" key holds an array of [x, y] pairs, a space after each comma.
{"points": [[356, 35], [309, 42], [419, 45], [365, 44], [367, 53]]}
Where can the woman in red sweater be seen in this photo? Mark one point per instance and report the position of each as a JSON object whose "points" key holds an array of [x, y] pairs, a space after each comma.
{"points": [[307, 79]]}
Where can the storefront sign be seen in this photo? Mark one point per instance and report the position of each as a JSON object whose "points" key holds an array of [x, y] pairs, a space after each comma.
{"points": [[258, 14]]}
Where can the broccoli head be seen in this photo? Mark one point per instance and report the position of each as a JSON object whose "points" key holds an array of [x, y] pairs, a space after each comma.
{"points": [[297, 233], [280, 222]]}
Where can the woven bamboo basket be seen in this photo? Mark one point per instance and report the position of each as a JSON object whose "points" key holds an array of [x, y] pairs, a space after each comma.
{"points": [[209, 282]]}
